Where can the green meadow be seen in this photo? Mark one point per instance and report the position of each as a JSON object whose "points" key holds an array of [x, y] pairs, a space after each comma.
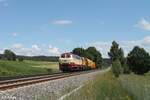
{"points": [[16, 68]]}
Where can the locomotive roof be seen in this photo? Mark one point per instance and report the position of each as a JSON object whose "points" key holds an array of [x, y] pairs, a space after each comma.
{"points": [[69, 53]]}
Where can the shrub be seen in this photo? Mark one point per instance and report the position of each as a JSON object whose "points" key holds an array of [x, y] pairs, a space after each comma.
{"points": [[20, 59], [116, 68], [126, 69]]}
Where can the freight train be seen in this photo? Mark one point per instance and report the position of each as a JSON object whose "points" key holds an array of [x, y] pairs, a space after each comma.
{"points": [[72, 62]]}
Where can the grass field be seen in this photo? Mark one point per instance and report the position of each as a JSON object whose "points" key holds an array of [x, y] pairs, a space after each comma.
{"points": [[107, 87], [15, 68], [43, 64], [104, 87], [137, 86], [148, 74]]}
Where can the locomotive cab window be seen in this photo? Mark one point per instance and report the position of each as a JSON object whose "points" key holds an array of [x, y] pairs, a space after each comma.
{"points": [[68, 55], [63, 56]]}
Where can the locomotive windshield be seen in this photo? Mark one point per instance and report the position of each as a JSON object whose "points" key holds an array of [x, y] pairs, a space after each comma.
{"points": [[65, 55]]}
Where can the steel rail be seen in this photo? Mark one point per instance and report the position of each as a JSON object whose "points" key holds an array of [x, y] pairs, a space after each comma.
{"points": [[9, 84], [28, 78]]}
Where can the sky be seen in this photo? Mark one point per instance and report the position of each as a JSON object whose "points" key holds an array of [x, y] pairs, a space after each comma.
{"points": [[51, 27]]}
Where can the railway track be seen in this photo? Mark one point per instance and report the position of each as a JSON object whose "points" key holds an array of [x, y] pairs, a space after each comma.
{"points": [[15, 83]]}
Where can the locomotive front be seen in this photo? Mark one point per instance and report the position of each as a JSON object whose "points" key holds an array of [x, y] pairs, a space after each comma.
{"points": [[69, 62]]}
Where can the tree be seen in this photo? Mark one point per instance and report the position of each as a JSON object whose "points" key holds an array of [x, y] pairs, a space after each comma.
{"points": [[126, 69], [116, 67], [121, 57], [13, 56], [90, 53], [96, 56], [9, 55], [138, 60], [79, 52], [93, 52], [98, 60], [0, 56], [116, 53]]}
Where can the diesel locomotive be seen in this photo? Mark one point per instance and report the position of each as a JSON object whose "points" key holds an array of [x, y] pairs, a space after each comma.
{"points": [[72, 62]]}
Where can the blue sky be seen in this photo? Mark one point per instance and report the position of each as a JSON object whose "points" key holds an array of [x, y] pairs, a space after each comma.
{"points": [[50, 27]]}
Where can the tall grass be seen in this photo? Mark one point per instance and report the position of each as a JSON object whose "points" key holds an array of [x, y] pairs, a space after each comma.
{"points": [[104, 87], [137, 86]]}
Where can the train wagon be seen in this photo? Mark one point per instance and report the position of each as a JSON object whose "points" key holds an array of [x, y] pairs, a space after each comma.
{"points": [[90, 64], [72, 62]]}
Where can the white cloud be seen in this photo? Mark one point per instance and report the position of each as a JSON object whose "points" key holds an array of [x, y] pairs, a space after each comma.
{"points": [[103, 47], [62, 22], [14, 34], [19, 49], [34, 50], [146, 41], [1, 51], [144, 24], [53, 50], [127, 46]]}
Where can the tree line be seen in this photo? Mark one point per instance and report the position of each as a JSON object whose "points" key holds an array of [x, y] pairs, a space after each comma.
{"points": [[137, 60], [11, 56]]}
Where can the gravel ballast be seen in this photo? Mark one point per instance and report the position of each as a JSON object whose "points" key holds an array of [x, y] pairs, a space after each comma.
{"points": [[51, 89]]}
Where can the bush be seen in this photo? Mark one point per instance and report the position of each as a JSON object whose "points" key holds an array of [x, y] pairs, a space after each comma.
{"points": [[20, 59], [126, 69], [116, 68]]}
